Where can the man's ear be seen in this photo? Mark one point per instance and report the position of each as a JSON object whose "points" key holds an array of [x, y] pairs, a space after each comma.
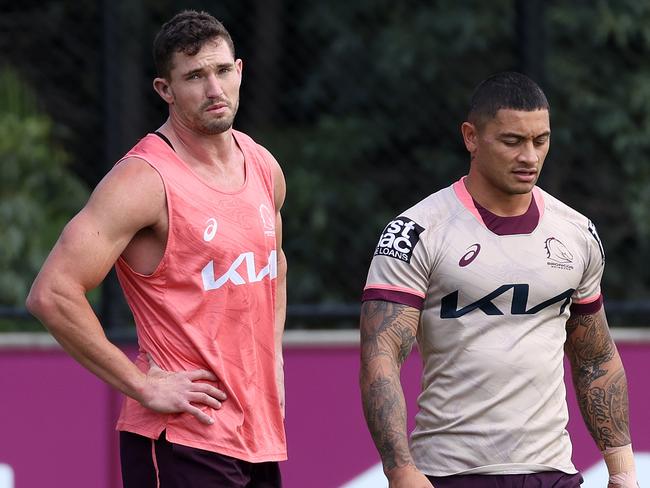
{"points": [[163, 88], [470, 136]]}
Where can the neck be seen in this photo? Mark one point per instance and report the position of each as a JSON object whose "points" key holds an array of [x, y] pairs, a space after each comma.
{"points": [[496, 201], [210, 150]]}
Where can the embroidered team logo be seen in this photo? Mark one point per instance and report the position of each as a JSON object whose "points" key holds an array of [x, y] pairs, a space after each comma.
{"points": [[398, 239], [268, 220], [557, 254], [211, 230], [470, 255]]}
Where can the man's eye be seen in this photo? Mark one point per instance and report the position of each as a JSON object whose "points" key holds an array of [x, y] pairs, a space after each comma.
{"points": [[540, 141]]}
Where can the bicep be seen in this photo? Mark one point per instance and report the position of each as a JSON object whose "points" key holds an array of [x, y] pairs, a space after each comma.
{"points": [[128, 199], [588, 341], [388, 329]]}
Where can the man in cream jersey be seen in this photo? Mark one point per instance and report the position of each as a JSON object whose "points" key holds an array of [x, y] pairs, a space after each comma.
{"points": [[495, 279]]}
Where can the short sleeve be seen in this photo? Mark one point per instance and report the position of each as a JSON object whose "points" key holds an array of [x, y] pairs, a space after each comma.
{"points": [[399, 271], [588, 293]]}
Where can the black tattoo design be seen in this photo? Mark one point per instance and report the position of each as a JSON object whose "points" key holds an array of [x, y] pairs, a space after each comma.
{"points": [[387, 337], [599, 379]]}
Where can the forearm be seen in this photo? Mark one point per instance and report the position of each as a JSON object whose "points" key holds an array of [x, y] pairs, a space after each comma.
{"points": [[599, 379], [603, 400], [384, 408], [387, 337]]}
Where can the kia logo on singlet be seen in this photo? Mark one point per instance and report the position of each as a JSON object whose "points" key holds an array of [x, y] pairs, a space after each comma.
{"points": [[251, 275], [470, 255], [399, 239]]}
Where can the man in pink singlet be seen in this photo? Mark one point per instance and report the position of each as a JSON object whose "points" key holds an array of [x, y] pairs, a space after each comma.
{"points": [[495, 279], [190, 218]]}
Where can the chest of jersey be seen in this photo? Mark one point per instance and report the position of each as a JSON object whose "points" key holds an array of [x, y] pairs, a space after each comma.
{"points": [[479, 272]]}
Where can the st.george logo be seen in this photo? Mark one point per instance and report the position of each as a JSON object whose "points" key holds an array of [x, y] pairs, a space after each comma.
{"points": [[470, 255]]}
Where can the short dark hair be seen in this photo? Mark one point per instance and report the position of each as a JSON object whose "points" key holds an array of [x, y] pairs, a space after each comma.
{"points": [[186, 32], [506, 90]]}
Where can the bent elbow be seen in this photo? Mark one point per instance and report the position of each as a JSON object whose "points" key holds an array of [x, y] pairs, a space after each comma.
{"points": [[40, 302]]}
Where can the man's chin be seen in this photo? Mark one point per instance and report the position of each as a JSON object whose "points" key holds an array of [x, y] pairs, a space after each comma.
{"points": [[215, 129]]}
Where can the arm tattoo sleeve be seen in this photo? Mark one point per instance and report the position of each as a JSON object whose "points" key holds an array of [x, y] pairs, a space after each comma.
{"points": [[599, 379], [387, 336]]}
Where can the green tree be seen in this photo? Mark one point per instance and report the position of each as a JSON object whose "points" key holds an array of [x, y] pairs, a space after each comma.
{"points": [[381, 89], [598, 72], [37, 193]]}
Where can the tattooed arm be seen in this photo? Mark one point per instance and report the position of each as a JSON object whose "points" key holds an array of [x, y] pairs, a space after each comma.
{"points": [[387, 336], [599, 379], [601, 389]]}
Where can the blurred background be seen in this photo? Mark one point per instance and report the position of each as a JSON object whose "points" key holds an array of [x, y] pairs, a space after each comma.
{"points": [[360, 101]]}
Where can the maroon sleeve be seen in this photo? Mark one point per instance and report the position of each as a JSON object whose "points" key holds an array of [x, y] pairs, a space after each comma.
{"points": [[393, 296], [587, 308]]}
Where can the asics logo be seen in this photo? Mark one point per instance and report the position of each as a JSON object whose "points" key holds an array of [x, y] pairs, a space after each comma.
{"points": [[470, 255], [210, 230], [237, 276]]}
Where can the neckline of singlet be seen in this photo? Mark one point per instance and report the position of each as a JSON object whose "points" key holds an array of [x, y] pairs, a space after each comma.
{"points": [[164, 138], [243, 187], [505, 226]]}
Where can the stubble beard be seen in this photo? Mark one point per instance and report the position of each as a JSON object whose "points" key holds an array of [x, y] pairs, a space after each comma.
{"points": [[219, 125]]}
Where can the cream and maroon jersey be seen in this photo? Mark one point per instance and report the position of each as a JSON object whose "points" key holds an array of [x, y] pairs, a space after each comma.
{"points": [[210, 304], [494, 295]]}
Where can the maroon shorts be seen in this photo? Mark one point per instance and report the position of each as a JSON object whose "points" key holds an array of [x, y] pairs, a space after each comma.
{"points": [[148, 463], [546, 479]]}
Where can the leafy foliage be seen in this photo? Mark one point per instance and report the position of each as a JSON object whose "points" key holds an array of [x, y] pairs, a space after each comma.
{"points": [[37, 194], [365, 99], [598, 75], [380, 109]]}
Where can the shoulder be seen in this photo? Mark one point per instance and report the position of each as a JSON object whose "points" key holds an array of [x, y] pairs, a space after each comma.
{"points": [[558, 207], [132, 184], [135, 172], [270, 164], [435, 210], [558, 210], [257, 147], [568, 217]]}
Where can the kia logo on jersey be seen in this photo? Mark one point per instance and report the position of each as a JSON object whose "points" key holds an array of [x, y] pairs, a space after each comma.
{"points": [[518, 306], [399, 239], [470, 255]]}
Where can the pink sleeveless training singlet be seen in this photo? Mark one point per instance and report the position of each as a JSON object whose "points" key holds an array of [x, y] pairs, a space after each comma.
{"points": [[210, 304]]}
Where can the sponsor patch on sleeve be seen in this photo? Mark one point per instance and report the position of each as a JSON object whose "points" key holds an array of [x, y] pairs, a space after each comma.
{"points": [[398, 239]]}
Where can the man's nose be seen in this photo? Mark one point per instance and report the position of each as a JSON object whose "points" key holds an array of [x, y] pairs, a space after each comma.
{"points": [[213, 87], [528, 153]]}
